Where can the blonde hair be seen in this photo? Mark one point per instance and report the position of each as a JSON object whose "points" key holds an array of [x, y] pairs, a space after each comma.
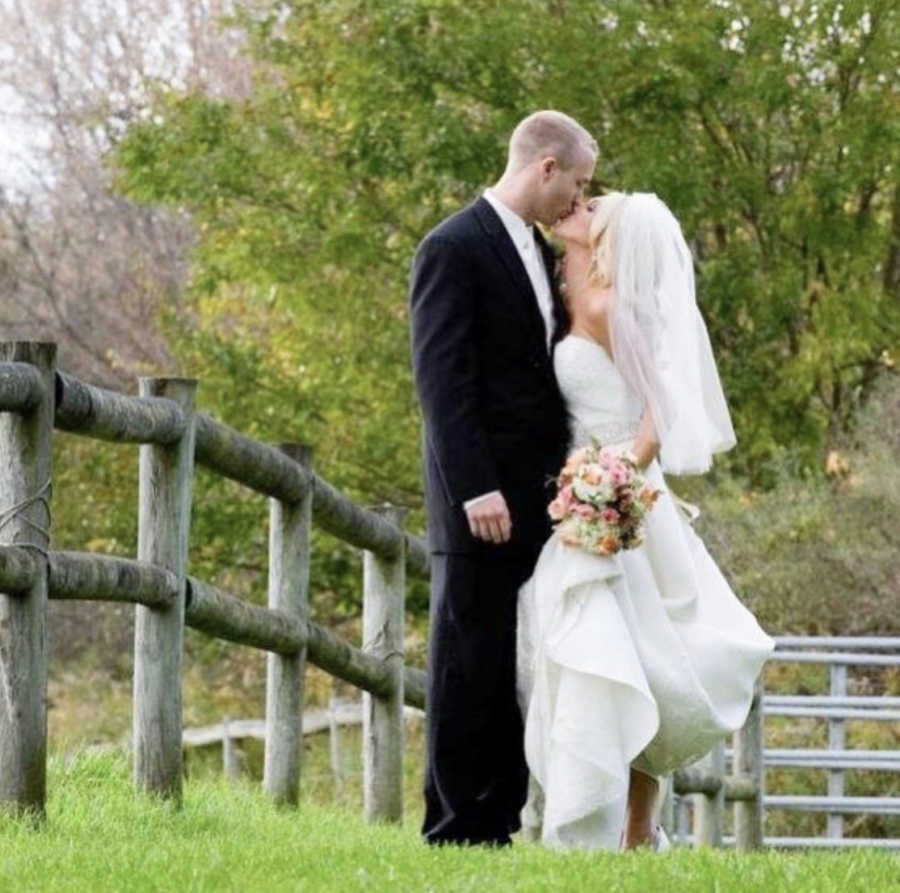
{"points": [[604, 234], [552, 133]]}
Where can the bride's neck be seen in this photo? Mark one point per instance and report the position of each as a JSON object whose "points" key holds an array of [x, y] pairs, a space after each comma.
{"points": [[578, 266], [588, 315]]}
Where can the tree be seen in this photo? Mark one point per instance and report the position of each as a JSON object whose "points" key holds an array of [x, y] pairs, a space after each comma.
{"points": [[78, 264], [771, 131]]}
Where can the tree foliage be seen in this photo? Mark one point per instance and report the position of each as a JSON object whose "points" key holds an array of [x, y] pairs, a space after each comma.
{"points": [[772, 131]]}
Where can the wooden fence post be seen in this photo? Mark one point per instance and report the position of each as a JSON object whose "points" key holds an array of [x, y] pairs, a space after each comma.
{"points": [[290, 525], [709, 809], [26, 441], [164, 505], [748, 761], [383, 605]]}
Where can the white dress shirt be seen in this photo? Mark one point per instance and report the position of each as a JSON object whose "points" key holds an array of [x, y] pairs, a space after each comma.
{"points": [[522, 235]]}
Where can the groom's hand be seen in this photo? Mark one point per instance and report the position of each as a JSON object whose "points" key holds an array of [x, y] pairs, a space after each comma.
{"points": [[489, 519]]}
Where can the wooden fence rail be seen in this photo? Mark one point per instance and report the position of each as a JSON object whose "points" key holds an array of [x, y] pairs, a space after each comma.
{"points": [[89, 577]]}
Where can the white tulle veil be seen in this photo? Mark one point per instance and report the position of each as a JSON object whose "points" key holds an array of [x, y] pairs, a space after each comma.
{"points": [[659, 340]]}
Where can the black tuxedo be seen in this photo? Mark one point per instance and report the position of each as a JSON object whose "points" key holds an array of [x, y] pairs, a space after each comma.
{"points": [[494, 420]]}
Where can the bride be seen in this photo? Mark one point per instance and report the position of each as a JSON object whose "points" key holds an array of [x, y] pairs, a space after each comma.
{"points": [[632, 665]]}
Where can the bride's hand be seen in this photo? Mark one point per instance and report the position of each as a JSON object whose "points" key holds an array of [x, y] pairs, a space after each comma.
{"points": [[645, 447]]}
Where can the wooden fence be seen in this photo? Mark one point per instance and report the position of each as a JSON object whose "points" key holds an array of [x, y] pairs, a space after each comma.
{"points": [[339, 713], [35, 398]]}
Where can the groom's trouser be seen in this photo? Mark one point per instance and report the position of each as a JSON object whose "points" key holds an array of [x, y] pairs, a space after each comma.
{"points": [[476, 778]]}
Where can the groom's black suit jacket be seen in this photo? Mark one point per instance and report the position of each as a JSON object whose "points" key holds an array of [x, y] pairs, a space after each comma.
{"points": [[494, 416]]}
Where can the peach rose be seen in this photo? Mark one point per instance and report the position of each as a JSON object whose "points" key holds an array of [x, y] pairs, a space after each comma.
{"points": [[610, 544], [575, 459]]}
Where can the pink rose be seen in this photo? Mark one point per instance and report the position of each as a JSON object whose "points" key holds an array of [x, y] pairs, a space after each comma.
{"points": [[585, 512], [610, 516], [565, 498], [556, 510]]}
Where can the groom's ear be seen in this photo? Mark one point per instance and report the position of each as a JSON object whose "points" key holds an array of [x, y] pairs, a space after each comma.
{"points": [[549, 167]]}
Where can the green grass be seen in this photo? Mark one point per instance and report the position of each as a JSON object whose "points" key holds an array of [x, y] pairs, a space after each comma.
{"points": [[100, 836]]}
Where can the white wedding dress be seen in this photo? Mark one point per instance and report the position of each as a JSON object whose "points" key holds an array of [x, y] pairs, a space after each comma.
{"points": [[644, 659]]}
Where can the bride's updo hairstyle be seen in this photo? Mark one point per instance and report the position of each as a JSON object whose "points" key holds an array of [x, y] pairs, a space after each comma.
{"points": [[603, 236]]}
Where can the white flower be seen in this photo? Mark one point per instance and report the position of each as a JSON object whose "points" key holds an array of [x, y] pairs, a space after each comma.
{"points": [[816, 76], [592, 493]]}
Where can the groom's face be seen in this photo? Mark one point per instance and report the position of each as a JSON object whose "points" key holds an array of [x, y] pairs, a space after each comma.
{"points": [[563, 188]]}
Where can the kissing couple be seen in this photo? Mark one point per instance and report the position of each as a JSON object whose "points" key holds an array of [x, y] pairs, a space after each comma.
{"points": [[563, 684]]}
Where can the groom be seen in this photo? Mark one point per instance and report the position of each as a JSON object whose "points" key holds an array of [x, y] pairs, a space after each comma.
{"points": [[484, 315]]}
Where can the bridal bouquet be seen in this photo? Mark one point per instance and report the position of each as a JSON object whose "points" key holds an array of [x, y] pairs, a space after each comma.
{"points": [[602, 501]]}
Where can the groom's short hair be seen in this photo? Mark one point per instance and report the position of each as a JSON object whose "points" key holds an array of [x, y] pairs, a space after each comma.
{"points": [[548, 132]]}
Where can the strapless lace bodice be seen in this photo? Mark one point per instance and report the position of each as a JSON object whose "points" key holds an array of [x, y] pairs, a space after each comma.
{"points": [[599, 402]]}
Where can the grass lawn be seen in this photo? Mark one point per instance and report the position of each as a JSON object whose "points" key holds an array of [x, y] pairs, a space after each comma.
{"points": [[100, 836]]}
